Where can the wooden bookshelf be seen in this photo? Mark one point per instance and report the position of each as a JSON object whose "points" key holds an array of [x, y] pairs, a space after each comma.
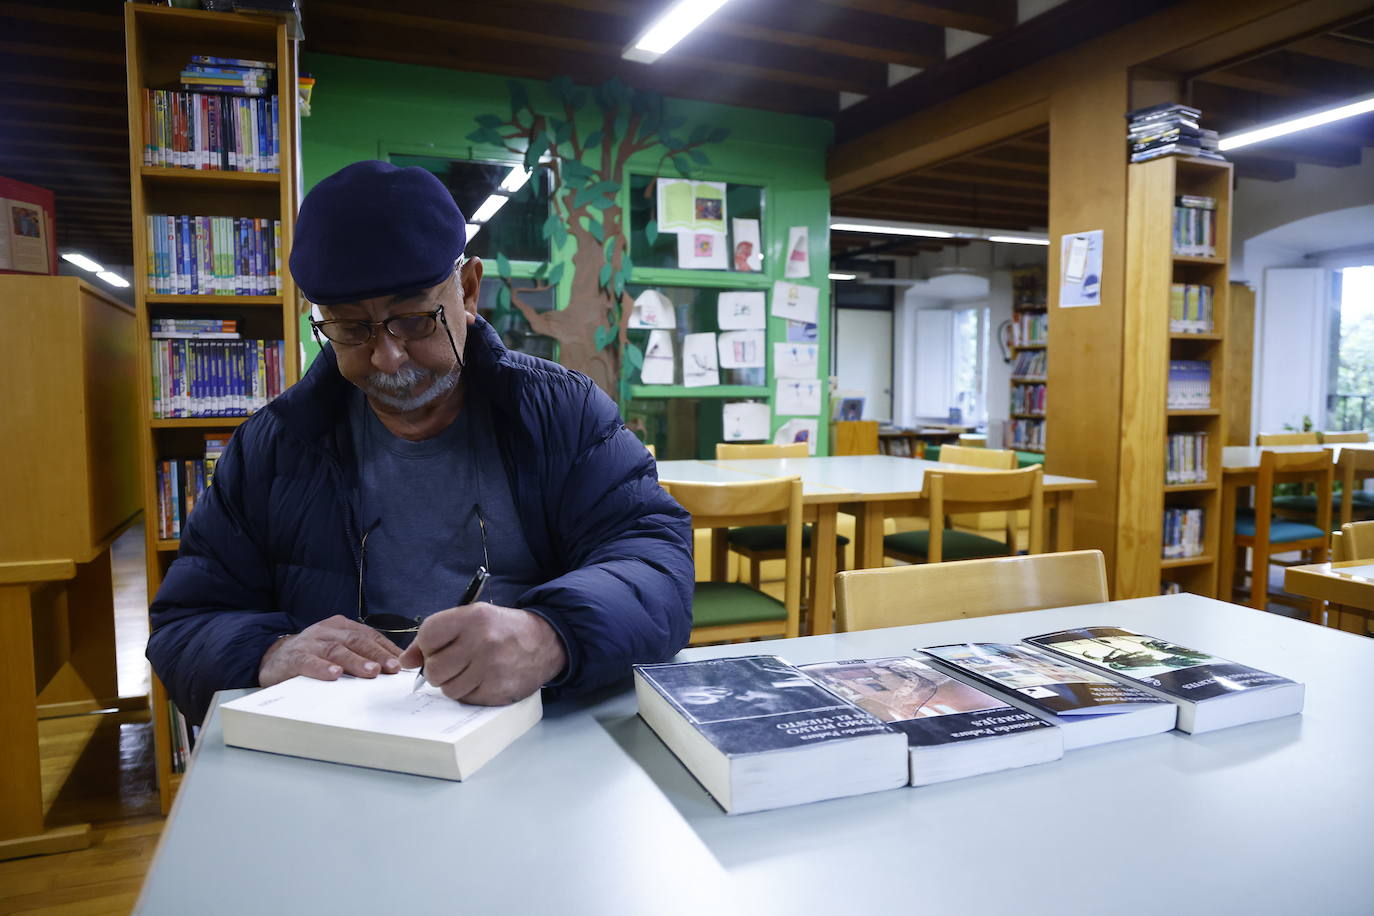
{"points": [[1029, 301], [159, 42], [1146, 420]]}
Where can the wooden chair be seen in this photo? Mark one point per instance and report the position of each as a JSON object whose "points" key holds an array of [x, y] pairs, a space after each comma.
{"points": [[759, 543], [653, 452], [1356, 465], [1258, 530], [949, 492], [901, 595], [1357, 541], [1286, 439], [1344, 437], [981, 457], [732, 610]]}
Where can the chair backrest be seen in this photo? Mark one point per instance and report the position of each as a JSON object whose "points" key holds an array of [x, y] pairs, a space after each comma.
{"points": [[1290, 467], [1355, 466], [929, 592], [740, 451], [768, 501], [999, 458], [653, 452], [1357, 541], [1358, 435], [980, 491], [973, 440], [1286, 439], [1338, 544]]}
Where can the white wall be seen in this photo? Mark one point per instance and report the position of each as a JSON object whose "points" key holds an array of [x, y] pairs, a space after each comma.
{"points": [[1292, 356], [863, 359]]}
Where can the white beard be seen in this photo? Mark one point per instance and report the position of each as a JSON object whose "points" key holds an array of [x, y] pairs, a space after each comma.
{"points": [[397, 390]]}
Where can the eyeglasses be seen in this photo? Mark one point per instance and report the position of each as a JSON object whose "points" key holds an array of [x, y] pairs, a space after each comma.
{"points": [[399, 628], [354, 332]]}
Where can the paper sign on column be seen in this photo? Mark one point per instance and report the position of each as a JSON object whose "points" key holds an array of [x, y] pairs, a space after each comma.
{"points": [[798, 253], [652, 309], [795, 360], [741, 350], [797, 397], [741, 311], [748, 252], [699, 366], [1080, 282], [796, 301], [685, 206], [658, 359], [797, 431], [745, 421], [701, 249]]}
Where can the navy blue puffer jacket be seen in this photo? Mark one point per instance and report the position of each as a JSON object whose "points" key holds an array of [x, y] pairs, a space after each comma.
{"points": [[272, 546]]}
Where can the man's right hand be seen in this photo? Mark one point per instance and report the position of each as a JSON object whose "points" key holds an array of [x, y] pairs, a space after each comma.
{"points": [[325, 650]]}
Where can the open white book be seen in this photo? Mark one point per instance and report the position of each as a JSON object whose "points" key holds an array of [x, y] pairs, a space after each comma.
{"points": [[376, 722]]}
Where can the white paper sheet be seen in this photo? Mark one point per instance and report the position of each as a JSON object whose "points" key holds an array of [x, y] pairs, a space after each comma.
{"points": [[1080, 282], [699, 366], [797, 397], [701, 249], [746, 421], [741, 311], [798, 431], [795, 360], [658, 360], [796, 301], [798, 253], [802, 332], [652, 309], [748, 253], [741, 349]]}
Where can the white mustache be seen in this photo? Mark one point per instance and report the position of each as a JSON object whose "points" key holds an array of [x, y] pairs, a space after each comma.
{"points": [[400, 382]]}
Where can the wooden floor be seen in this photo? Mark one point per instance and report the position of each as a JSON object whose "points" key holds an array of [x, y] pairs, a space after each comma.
{"points": [[98, 769]]}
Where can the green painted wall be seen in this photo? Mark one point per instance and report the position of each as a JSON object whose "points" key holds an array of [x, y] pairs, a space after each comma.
{"points": [[363, 109]]}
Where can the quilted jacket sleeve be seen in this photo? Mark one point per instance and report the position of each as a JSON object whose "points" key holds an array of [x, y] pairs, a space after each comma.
{"points": [[202, 638], [627, 597]]}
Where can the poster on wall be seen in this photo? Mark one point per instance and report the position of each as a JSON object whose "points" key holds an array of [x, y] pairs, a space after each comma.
{"points": [[741, 311], [701, 249], [796, 301], [745, 421], [1080, 271], [699, 366], [795, 360], [798, 431], [658, 359], [741, 350], [23, 237], [748, 250], [691, 206], [798, 253]]}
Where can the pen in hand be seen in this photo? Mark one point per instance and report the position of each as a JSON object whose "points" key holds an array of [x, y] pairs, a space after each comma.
{"points": [[470, 594]]}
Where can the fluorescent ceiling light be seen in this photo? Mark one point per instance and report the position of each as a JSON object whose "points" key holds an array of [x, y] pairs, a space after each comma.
{"points": [[473, 229], [80, 260], [489, 207], [891, 230], [1293, 125], [515, 180], [844, 276], [670, 28], [1017, 240], [112, 278]]}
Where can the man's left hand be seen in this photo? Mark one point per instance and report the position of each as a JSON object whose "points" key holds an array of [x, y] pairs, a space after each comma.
{"points": [[486, 654]]}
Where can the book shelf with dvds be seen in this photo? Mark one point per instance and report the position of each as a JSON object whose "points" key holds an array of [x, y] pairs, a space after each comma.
{"points": [[159, 42], [1030, 356], [1173, 423]]}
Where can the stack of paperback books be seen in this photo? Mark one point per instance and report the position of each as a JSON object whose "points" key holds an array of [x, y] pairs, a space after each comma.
{"points": [[1169, 130], [1185, 458], [1195, 226], [229, 75], [181, 482]]}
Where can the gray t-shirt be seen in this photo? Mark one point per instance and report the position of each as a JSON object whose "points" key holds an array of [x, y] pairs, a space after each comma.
{"points": [[426, 504]]}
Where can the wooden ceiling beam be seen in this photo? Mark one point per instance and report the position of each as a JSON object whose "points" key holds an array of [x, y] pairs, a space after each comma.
{"points": [[1328, 47], [989, 221], [109, 21], [948, 213], [922, 183], [55, 82], [1032, 168], [982, 175], [985, 197], [48, 99], [1265, 170], [986, 17], [1292, 76]]}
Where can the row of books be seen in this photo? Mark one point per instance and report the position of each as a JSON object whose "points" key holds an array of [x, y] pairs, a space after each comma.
{"points": [[214, 255], [1025, 434], [1190, 309], [229, 75], [195, 328], [760, 733], [1169, 129], [1190, 384], [1185, 458], [181, 482], [1030, 365], [1028, 399], [1182, 533], [1030, 328], [216, 378], [1195, 226], [183, 738], [196, 130]]}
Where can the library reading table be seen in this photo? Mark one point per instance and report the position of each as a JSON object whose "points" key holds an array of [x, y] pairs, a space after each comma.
{"points": [[589, 813]]}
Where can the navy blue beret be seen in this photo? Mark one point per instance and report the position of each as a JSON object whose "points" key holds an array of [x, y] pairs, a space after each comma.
{"points": [[372, 229]]}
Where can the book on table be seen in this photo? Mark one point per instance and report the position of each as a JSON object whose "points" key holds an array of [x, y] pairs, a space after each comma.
{"points": [[1089, 707], [378, 723], [1210, 692], [952, 728], [757, 733]]}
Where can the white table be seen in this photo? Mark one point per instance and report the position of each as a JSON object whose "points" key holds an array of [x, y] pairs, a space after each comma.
{"points": [[589, 813]]}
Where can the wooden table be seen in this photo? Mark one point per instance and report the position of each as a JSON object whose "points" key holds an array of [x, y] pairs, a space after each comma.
{"points": [[871, 487]]}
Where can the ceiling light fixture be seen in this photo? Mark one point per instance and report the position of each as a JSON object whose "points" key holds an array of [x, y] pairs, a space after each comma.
{"points": [[1017, 240], [670, 28], [516, 179], [80, 260], [843, 276], [489, 207], [1293, 125], [891, 230], [112, 278]]}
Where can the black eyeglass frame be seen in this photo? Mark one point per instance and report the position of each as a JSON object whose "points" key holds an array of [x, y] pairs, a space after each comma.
{"points": [[323, 326]]}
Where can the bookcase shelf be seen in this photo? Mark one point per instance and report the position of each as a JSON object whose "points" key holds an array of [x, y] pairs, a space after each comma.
{"points": [[1188, 487], [1029, 303], [1180, 562], [159, 42], [1184, 335], [1199, 259], [1195, 412]]}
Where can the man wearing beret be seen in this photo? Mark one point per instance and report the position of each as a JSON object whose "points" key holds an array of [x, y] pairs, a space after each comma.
{"points": [[415, 450]]}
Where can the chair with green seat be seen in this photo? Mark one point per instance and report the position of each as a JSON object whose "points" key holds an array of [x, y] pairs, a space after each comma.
{"points": [[1266, 535], [732, 610], [759, 543], [949, 492]]}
